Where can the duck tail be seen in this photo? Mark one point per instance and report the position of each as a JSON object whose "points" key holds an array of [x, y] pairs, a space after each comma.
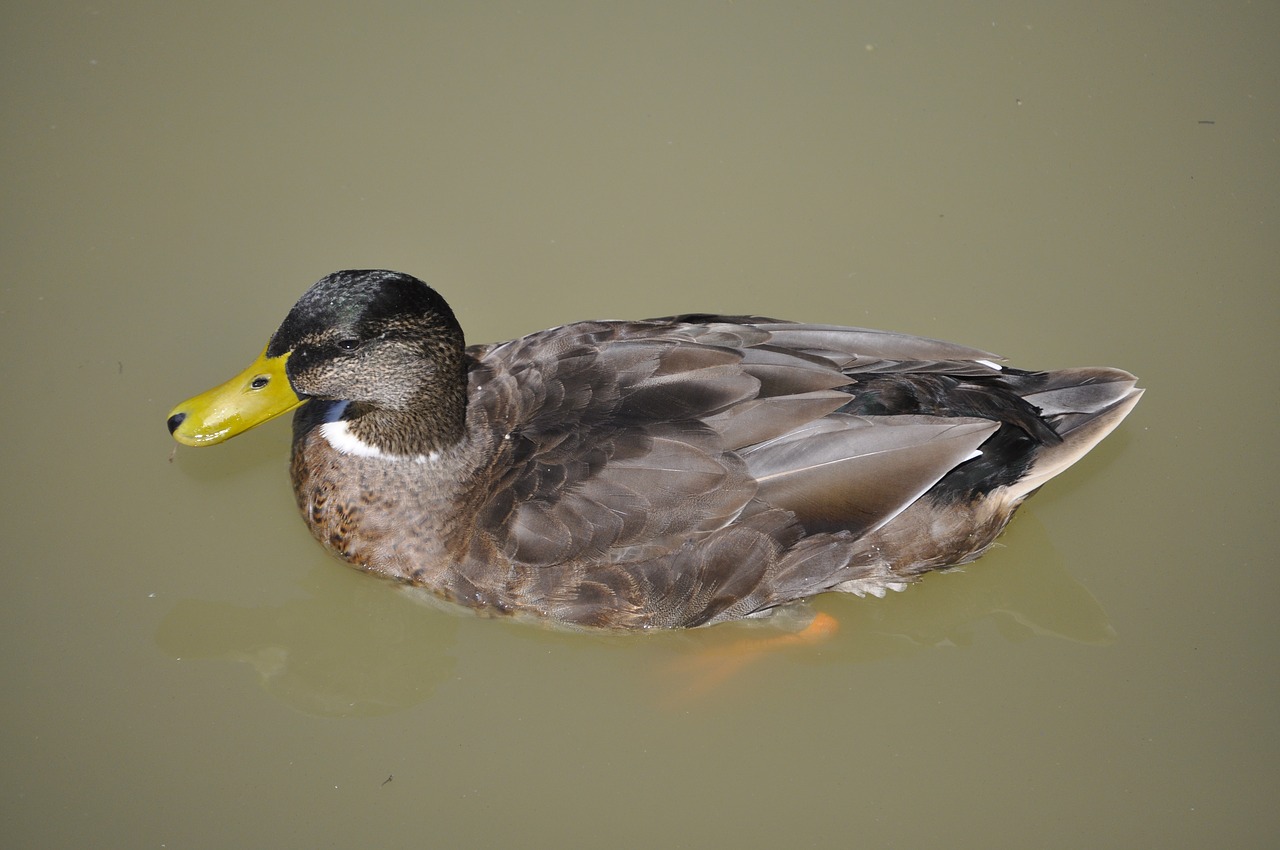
{"points": [[1082, 406]]}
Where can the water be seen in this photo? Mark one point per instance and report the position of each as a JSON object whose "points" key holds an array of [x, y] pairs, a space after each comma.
{"points": [[186, 668]]}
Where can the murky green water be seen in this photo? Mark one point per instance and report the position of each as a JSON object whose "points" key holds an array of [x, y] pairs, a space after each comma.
{"points": [[185, 668]]}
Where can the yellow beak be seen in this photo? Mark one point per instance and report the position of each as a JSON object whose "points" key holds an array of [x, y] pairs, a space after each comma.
{"points": [[257, 394]]}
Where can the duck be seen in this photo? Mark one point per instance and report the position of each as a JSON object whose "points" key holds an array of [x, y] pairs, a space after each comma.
{"points": [[665, 473]]}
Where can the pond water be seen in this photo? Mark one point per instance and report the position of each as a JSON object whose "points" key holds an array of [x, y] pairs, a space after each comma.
{"points": [[186, 668]]}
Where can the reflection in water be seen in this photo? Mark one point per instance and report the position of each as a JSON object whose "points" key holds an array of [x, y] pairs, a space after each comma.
{"points": [[369, 652], [1020, 598], [358, 654], [1021, 595]]}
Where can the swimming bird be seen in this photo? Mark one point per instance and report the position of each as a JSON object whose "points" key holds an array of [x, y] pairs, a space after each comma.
{"points": [[664, 473]]}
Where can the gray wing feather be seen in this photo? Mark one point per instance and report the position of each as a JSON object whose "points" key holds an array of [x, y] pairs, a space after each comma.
{"points": [[680, 471], [853, 473]]}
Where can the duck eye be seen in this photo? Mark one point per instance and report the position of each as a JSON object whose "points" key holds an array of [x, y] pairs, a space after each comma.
{"points": [[348, 344]]}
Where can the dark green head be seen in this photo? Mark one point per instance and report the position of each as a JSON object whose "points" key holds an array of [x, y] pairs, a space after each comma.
{"points": [[383, 341], [370, 336]]}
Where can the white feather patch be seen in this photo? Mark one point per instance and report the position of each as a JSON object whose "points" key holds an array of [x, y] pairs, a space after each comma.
{"points": [[338, 434], [876, 586]]}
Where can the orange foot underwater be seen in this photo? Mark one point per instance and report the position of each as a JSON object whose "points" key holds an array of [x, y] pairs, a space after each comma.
{"points": [[710, 668]]}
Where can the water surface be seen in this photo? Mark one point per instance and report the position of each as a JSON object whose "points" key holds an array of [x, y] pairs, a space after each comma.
{"points": [[186, 668]]}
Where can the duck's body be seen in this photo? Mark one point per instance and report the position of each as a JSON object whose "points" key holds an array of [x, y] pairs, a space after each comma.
{"points": [[667, 473]]}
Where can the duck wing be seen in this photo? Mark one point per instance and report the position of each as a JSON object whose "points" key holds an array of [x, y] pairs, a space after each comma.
{"points": [[623, 441]]}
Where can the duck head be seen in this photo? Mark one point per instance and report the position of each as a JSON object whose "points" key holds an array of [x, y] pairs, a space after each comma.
{"points": [[383, 342]]}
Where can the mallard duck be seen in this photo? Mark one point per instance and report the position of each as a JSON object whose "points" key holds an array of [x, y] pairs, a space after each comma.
{"points": [[665, 473]]}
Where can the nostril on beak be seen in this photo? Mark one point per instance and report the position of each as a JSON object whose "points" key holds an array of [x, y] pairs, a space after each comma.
{"points": [[175, 420]]}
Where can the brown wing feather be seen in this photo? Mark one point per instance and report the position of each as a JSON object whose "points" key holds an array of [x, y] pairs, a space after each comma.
{"points": [[855, 473], [609, 456], [675, 472]]}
